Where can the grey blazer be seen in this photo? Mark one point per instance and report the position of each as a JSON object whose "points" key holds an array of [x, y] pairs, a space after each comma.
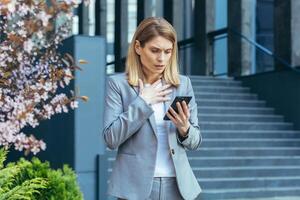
{"points": [[129, 125]]}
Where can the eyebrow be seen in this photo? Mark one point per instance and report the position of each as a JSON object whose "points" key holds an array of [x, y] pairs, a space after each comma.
{"points": [[160, 48]]}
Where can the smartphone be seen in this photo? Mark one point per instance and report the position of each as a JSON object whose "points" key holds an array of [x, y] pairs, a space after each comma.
{"points": [[180, 99]]}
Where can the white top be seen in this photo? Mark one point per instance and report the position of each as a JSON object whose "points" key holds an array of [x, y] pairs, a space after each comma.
{"points": [[164, 165]]}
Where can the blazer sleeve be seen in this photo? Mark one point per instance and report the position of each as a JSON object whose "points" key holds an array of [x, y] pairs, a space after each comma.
{"points": [[194, 138], [120, 125]]}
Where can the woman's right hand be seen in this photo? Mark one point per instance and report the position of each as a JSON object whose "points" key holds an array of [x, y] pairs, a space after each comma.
{"points": [[152, 94]]}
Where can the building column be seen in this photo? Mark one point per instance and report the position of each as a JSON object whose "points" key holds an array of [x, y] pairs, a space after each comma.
{"points": [[182, 23], [140, 11], [100, 17], [168, 6], [240, 52], [286, 31], [179, 19], [153, 8], [282, 31], [248, 30], [204, 22], [121, 32], [295, 30], [83, 17]]}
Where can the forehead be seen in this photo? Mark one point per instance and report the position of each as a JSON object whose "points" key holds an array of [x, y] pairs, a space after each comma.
{"points": [[160, 42]]}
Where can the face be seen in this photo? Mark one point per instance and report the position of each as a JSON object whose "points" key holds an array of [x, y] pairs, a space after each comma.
{"points": [[155, 55]]}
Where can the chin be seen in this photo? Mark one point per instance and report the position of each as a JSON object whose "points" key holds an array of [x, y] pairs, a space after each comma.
{"points": [[161, 70]]}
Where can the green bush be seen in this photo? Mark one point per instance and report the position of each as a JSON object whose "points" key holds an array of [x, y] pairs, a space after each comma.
{"points": [[38, 180]]}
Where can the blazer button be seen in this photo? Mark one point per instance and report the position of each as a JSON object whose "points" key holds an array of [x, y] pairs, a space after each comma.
{"points": [[172, 151]]}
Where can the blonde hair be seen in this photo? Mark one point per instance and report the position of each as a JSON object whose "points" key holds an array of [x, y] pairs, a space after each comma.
{"points": [[148, 29]]}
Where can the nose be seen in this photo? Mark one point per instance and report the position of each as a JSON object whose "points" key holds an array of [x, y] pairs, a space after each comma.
{"points": [[161, 57]]}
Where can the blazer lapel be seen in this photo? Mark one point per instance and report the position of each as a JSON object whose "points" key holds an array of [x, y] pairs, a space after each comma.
{"points": [[136, 89], [172, 96], [169, 125]]}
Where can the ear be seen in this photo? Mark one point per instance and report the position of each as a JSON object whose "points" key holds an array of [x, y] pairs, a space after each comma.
{"points": [[137, 47]]}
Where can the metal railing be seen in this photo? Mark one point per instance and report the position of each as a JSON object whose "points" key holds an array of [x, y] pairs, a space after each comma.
{"points": [[224, 32]]}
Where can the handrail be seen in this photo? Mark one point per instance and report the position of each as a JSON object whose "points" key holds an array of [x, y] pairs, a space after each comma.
{"points": [[211, 36], [113, 62], [225, 31], [185, 42]]}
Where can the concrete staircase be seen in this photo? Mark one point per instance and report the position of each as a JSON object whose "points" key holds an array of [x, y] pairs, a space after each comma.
{"points": [[247, 150]]}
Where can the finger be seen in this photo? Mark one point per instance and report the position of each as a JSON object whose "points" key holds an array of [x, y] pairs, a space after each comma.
{"points": [[141, 84], [173, 112], [180, 111], [164, 87], [165, 92], [186, 109], [162, 99], [171, 118]]}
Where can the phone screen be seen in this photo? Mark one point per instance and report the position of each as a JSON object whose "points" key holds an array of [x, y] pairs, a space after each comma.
{"points": [[180, 99]]}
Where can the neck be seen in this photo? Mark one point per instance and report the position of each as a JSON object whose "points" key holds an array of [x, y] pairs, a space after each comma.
{"points": [[151, 79]]}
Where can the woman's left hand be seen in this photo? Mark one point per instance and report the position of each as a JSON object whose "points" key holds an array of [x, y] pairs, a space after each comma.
{"points": [[180, 119]]}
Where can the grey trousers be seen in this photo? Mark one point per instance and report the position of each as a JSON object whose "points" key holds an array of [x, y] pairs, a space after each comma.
{"points": [[164, 188]]}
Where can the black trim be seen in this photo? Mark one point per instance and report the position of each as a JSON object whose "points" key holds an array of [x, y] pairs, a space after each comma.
{"points": [[80, 19], [168, 10], [97, 17], [140, 11], [118, 35]]}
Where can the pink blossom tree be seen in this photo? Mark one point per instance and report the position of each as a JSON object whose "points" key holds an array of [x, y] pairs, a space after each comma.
{"points": [[31, 68]]}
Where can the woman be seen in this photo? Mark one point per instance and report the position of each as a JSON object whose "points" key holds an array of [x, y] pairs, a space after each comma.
{"points": [[151, 162]]}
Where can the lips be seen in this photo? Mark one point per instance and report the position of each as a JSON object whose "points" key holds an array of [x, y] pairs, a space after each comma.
{"points": [[159, 66]]}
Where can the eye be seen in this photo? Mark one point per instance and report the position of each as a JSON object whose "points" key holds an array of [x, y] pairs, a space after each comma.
{"points": [[154, 50], [168, 51]]}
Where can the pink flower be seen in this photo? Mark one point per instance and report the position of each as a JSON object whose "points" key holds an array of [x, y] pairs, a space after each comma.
{"points": [[31, 69], [28, 45], [44, 17]]}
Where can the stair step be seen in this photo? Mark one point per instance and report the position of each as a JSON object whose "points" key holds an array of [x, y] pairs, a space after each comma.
{"points": [[199, 77], [233, 103], [250, 134], [245, 151], [218, 194], [210, 82], [243, 161], [251, 131], [233, 142], [228, 89], [233, 110], [232, 96], [288, 197], [248, 182], [240, 117], [245, 125], [245, 171]]}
